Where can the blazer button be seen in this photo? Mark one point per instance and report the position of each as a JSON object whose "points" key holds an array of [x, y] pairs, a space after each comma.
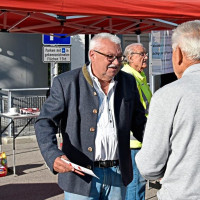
{"points": [[90, 149], [92, 129], [94, 111], [95, 94], [89, 167]]}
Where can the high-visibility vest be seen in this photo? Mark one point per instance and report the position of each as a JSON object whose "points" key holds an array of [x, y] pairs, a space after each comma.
{"points": [[145, 96]]}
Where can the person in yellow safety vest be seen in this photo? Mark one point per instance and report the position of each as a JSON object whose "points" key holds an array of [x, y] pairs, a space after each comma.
{"points": [[136, 62]]}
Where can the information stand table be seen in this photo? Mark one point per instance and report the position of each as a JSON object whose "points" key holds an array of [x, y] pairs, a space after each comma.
{"points": [[12, 123]]}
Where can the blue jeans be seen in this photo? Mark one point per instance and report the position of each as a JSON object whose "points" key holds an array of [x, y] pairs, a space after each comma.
{"points": [[136, 189], [109, 186]]}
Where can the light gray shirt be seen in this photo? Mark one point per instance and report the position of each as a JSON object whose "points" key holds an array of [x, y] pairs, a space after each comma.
{"points": [[171, 144]]}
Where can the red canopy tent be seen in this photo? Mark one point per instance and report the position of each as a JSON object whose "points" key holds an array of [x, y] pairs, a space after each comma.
{"points": [[31, 22], [114, 16], [129, 8]]}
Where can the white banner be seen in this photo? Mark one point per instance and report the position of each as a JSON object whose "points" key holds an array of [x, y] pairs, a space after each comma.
{"points": [[161, 52]]}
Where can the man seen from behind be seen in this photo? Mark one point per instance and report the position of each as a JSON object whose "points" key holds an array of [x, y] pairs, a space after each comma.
{"points": [[172, 152]]}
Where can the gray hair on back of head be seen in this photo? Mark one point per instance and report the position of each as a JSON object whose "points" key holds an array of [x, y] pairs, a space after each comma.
{"points": [[187, 37]]}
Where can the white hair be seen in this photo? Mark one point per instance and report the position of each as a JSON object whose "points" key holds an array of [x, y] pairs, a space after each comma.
{"points": [[187, 37], [96, 40], [129, 50]]}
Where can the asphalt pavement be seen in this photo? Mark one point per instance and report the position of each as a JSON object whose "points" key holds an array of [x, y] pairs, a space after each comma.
{"points": [[33, 180]]}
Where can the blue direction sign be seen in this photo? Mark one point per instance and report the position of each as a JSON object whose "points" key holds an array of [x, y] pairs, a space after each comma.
{"points": [[51, 40]]}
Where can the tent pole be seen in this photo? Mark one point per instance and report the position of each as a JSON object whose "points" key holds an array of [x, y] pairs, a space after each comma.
{"points": [[151, 76]]}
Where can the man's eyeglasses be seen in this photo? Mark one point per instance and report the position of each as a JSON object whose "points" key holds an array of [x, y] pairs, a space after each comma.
{"points": [[111, 58], [141, 54]]}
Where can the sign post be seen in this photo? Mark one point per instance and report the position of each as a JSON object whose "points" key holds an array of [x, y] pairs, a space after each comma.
{"points": [[55, 51], [54, 71]]}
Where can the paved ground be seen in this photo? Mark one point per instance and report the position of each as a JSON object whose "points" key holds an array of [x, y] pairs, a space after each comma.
{"points": [[33, 181]]}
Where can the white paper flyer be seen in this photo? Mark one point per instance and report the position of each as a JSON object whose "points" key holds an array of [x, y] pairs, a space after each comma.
{"points": [[80, 168]]}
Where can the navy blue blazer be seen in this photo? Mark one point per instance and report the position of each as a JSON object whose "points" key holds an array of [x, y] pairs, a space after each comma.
{"points": [[72, 101]]}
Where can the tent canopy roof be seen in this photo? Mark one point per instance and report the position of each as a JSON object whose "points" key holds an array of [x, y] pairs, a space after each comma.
{"points": [[29, 22], [130, 8], [114, 16]]}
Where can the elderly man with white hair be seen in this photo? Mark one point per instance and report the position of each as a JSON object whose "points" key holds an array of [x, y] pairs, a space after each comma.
{"points": [[171, 144], [96, 109]]}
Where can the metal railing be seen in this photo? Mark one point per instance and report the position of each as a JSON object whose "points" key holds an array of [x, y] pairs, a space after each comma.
{"points": [[9, 99]]}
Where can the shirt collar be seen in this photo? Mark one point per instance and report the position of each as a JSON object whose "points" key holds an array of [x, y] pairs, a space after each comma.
{"points": [[140, 76], [89, 68], [192, 68]]}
